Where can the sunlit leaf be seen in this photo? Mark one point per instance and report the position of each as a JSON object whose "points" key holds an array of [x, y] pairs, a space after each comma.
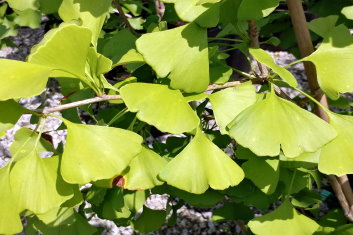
{"points": [[285, 219], [264, 58], [28, 18], [205, 13], [174, 48], [189, 170], [348, 12], [333, 59], [143, 170], [22, 5], [228, 103], [65, 49], [36, 184], [337, 156], [10, 222], [25, 141], [91, 14], [10, 112], [21, 80], [58, 216], [104, 153], [152, 102], [292, 129]]}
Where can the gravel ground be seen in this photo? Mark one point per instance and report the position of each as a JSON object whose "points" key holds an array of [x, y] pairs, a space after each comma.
{"points": [[190, 220]]}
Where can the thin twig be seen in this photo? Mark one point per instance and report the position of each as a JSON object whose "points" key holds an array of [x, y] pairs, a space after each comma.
{"points": [[160, 9], [340, 185], [123, 17], [118, 97], [80, 103]]}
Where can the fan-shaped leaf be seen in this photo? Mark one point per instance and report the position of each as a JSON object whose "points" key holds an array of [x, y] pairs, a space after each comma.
{"points": [[91, 14], [152, 102], [205, 13], [190, 169], [264, 58], [21, 80], [22, 5], [275, 123], [37, 185], [181, 54], [337, 156], [149, 220], [228, 103], [323, 25], [143, 170], [65, 49], [97, 152], [333, 59], [284, 220], [10, 222]]}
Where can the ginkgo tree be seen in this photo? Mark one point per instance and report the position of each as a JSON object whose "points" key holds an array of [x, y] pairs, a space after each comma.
{"points": [[243, 144]]}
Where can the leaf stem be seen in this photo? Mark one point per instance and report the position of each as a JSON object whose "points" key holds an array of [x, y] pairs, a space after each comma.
{"points": [[117, 116]]}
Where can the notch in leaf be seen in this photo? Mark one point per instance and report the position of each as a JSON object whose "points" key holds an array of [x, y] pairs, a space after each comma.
{"points": [[275, 123], [190, 169]]}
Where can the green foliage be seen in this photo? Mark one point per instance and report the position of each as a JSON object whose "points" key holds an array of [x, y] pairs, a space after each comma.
{"points": [[239, 143]]}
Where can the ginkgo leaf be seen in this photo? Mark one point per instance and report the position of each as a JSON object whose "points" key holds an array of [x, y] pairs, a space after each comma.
{"points": [[348, 12], [26, 140], [255, 10], [125, 52], [264, 58], [268, 179], [65, 49], [104, 153], [10, 112], [291, 128], [97, 63], [333, 59], [205, 13], [143, 170], [91, 14], [174, 48], [21, 80], [323, 25], [228, 103], [152, 102], [22, 5], [284, 220], [36, 184], [337, 156], [190, 169], [10, 222]]}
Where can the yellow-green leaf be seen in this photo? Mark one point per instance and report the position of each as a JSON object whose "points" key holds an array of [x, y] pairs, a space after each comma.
{"points": [[181, 54], [273, 124], [97, 152], [201, 165], [152, 102]]}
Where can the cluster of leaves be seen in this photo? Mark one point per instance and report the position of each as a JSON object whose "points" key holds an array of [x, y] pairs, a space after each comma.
{"points": [[159, 76]]}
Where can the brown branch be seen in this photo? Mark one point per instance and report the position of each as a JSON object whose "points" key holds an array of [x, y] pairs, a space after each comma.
{"points": [[123, 17], [340, 185], [160, 9], [253, 33]]}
